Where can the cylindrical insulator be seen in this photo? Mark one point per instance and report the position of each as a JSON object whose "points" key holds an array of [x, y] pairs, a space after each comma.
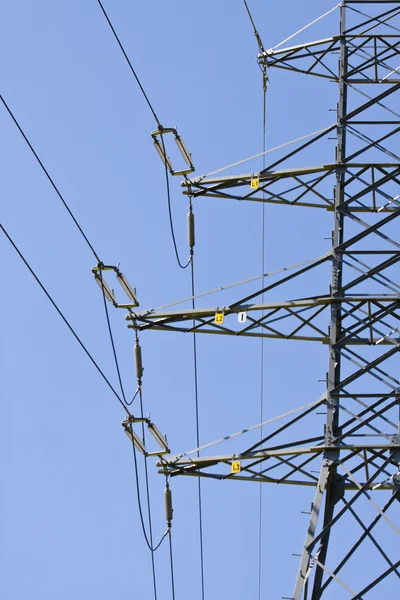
{"points": [[335, 276], [190, 224], [168, 504], [138, 361]]}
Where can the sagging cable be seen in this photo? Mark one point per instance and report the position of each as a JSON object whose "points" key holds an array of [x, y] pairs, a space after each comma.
{"points": [[160, 438], [257, 35]]}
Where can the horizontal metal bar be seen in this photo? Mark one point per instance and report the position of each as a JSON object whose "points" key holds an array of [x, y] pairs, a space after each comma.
{"points": [[260, 479], [280, 173], [176, 461], [233, 309], [271, 52]]}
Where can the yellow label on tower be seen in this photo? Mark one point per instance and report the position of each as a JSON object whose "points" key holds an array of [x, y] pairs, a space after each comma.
{"points": [[219, 318], [254, 183], [236, 467]]}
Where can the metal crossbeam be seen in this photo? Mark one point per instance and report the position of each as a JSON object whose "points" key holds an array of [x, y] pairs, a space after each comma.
{"points": [[354, 460]]}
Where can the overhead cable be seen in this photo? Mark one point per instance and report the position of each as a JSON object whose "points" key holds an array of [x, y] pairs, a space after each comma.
{"points": [[110, 333], [148, 542], [49, 178], [153, 549], [149, 539], [171, 224], [196, 397], [160, 128], [139, 373], [129, 63], [168, 516], [146, 474], [64, 319], [171, 562], [80, 230], [257, 35], [263, 211]]}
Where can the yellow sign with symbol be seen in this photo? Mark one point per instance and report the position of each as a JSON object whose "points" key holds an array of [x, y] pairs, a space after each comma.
{"points": [[219, 318], [254, 183], [236, 467]]}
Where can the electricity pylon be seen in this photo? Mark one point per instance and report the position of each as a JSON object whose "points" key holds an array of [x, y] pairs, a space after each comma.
{"points": [[357, 455]]}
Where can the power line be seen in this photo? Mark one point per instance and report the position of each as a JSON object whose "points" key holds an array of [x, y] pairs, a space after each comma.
{"points": [[262, 339], [182, 266], [148, 538], [130, 64], [171, 562], [160, 128], [49, 178], [149, 543], [64, 318], [80, 230], [146, 474], [151, 548], [257, 35], [139, 390], [265, 82], [110, 333], [196, 395], [124, 401]]}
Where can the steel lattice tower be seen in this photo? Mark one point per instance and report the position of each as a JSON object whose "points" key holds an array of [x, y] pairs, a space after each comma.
{"points": [[357, 454]]}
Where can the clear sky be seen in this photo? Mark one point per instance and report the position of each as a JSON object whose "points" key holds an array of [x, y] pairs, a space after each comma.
{"points": [[70, 523]]}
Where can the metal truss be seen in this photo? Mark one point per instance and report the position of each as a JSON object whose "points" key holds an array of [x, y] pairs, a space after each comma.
{"points": [[353, 462]]}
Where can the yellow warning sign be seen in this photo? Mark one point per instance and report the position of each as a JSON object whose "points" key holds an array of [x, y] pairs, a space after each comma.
{"points": [[219, 318], [236, 467], [254, 183]]}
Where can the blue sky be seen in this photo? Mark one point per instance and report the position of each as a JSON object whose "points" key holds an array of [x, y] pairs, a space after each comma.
{"points": [[70, 521]]}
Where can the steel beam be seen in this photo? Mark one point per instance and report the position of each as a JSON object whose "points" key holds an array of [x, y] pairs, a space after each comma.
{"points": [[358, 318]]}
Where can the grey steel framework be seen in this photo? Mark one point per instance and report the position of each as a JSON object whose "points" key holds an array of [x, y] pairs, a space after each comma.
{"points": [[354, 463]]}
